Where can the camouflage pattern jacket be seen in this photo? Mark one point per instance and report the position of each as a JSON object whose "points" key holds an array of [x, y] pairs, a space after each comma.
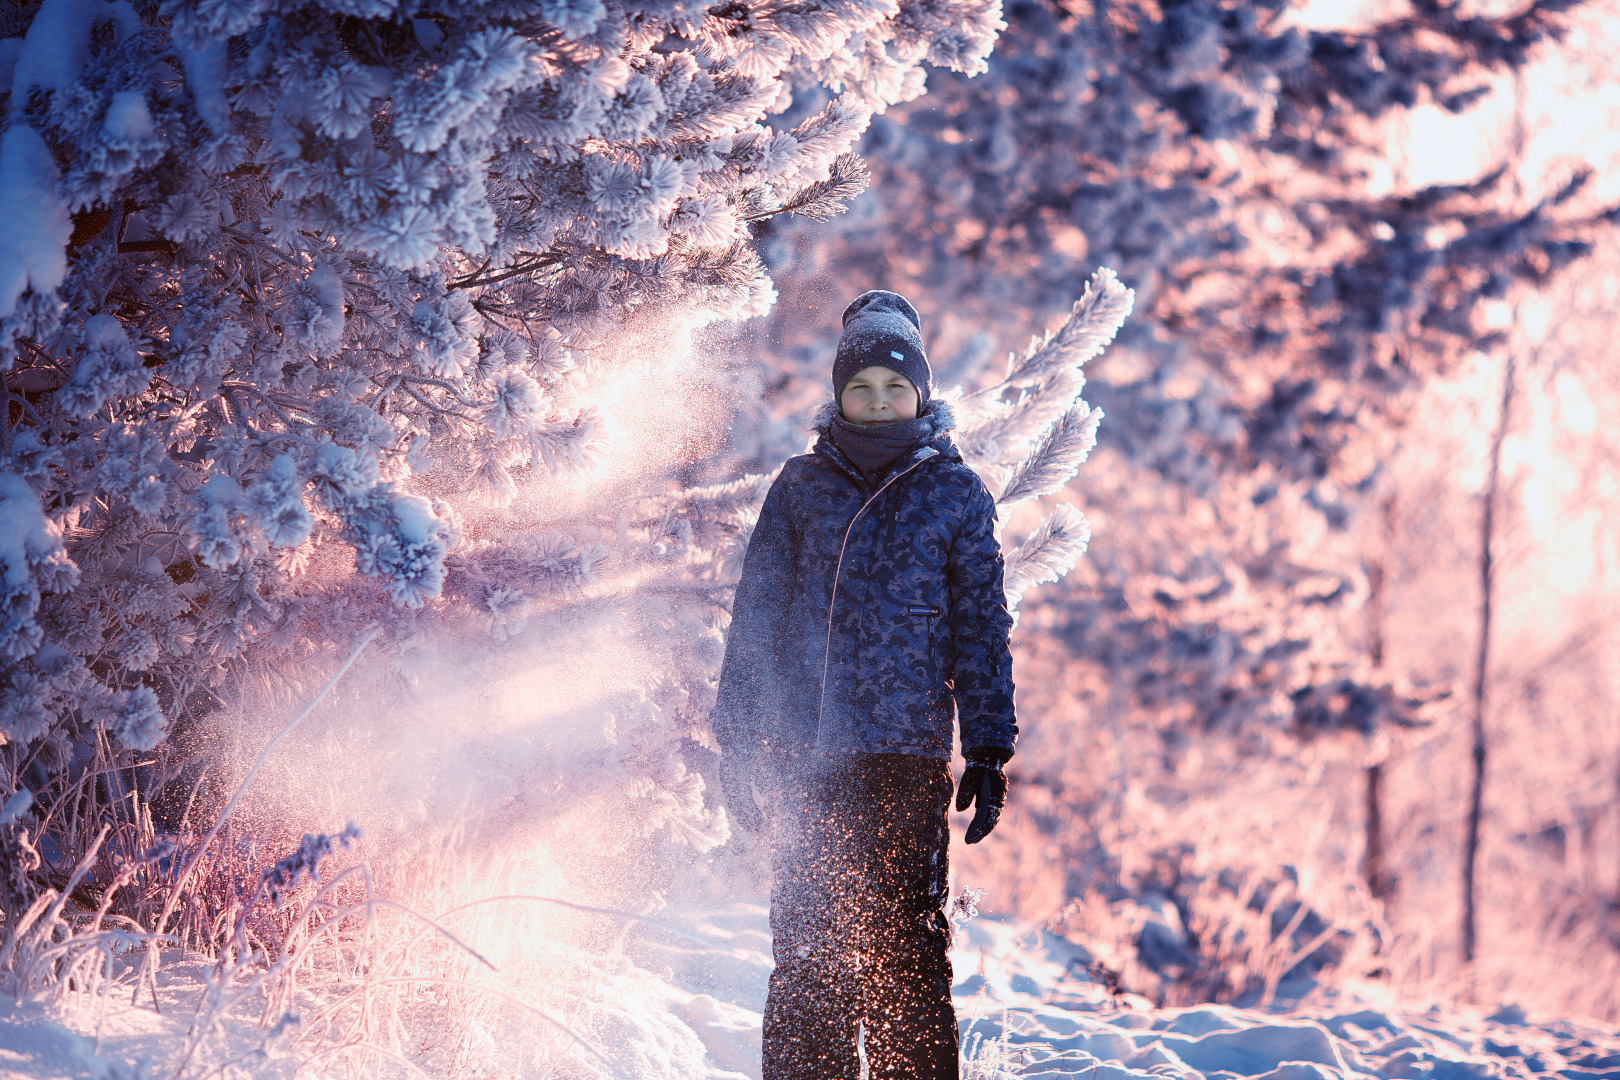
{"points": [[867, 611]]}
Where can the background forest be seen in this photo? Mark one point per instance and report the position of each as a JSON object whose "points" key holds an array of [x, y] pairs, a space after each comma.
{"points": [[1344, 637], [415, 371]]}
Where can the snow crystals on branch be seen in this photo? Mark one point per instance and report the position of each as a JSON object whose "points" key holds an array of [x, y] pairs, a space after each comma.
{"points": [[1097, 316], [1048, 553], [1043, 386], [1032, 432], [32, 561], [1057, 456]]}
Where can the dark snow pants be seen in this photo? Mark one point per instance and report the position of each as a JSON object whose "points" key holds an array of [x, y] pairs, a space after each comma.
{"points": [[858, 922]]}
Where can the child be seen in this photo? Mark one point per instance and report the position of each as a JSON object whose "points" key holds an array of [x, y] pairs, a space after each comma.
{"points": [[870, 609]]}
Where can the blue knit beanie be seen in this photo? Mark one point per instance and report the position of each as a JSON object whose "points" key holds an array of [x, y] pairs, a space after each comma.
{"points": [[881, 328]]}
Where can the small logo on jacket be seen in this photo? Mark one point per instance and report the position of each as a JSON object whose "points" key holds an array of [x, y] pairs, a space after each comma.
{"points": [[922, 609]]}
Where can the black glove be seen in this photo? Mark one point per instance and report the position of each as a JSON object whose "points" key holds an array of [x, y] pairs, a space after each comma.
{"points": [[983, 782], [737, 783]]}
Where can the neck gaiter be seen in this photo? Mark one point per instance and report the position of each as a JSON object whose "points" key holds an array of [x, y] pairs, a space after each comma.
{"points": [[874, 448]]}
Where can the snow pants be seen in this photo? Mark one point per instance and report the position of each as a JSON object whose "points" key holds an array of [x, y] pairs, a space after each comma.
{"points": [[858, 921]]}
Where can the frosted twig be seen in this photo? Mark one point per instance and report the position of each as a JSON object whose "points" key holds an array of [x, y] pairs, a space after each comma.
{"points": [[37, 908], [79, 871], [1047, 553], [1278, 955], [824, 199], [1275, 976], [202, 848], [1002, 432], [1094, 320], [715, 499], [269, 402], [589, 911], [1056, 457], [434, 925], [407, 1062], [441, 385], [539, 262], [430, 406]]}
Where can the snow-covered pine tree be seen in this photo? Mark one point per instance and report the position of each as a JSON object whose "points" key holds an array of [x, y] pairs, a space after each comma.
{"points": [[284, 285]]}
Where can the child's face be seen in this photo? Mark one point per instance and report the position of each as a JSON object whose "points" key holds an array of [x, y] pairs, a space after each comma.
{"points": [[878, 395]]}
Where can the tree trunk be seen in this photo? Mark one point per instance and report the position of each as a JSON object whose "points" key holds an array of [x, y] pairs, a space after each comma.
{"points": [[1470, 928], [1476, 798], [1377, 878]]}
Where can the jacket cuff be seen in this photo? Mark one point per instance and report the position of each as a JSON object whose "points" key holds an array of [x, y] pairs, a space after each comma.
{"points": [[988, 755]]}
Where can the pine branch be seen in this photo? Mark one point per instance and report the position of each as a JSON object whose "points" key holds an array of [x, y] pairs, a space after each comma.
{"points": [[712, 515], [1050, 380], [824, 199], [565, 444], [1001, 432], [1092, 324], [719, 500], [528, 265], [1048, 553], [1057, 456]]}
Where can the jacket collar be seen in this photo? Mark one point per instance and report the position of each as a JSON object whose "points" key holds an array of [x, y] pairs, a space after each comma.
{"points": [[939, 446], [941, 415]]}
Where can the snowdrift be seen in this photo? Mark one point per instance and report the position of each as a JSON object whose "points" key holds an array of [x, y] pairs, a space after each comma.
{"points": [[686, 1010]]}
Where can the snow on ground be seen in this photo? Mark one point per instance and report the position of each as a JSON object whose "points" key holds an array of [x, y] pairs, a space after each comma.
{"points": [[108, 1038], [1026, 1008]]}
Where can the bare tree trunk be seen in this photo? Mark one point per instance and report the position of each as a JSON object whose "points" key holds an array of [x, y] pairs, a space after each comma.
{"points": [[1377, 877], [1476, 797], [1470, 928]]}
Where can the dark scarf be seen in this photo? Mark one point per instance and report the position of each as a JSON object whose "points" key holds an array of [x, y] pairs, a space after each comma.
{"points": [[874, 448]]}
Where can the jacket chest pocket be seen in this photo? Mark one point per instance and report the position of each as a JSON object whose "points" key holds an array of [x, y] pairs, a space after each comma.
{"points": [[926, 615]]}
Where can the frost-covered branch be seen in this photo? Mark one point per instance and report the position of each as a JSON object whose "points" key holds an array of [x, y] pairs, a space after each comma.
{"points": [[1056, 457], [824, 199], [1005, 422], [1048, 553], [1096, 317], [528, 264]]}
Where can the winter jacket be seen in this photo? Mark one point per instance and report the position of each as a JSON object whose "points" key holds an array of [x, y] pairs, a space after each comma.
{"points": [[867, 610]]}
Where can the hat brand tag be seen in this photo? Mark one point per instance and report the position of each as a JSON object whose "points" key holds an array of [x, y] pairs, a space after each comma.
{"points": [[896, 355]]}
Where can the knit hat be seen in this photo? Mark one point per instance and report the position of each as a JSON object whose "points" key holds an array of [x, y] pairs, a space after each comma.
{"points": [[882, 329]]}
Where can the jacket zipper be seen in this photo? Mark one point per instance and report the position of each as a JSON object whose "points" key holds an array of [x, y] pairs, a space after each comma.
{"points": [[826, 652]]}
